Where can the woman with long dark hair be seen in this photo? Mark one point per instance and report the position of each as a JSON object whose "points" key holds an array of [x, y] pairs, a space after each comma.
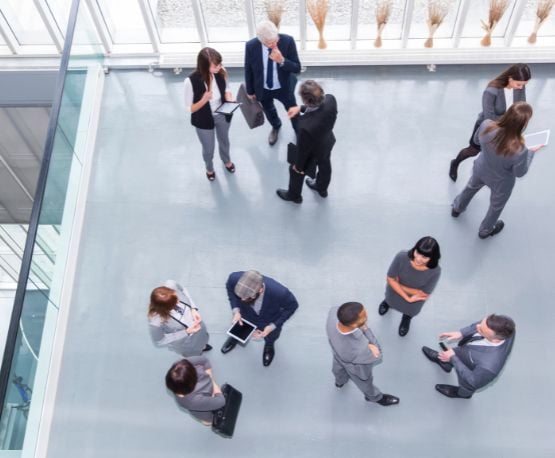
{"points": [[411, 278], [205, 90], [507, 88], [504, 157]]}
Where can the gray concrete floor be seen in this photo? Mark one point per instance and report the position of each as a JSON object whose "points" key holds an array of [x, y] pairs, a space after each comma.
{"points": [[152, 215]]}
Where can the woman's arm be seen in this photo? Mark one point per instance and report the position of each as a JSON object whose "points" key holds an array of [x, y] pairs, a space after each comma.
{"points": [[409, 297]]}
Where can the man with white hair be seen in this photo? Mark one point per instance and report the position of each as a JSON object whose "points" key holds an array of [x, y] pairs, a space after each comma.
{"points": [[271, 61]]}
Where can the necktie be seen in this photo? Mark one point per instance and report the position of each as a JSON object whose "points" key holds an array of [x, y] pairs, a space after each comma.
{"points": [[468, 339], [270, 71]]}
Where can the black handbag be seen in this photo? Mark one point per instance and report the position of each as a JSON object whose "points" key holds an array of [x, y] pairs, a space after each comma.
{"points": [[224, 419], [251, 109]]}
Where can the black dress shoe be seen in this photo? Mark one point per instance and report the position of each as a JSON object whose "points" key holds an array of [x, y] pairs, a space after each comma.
{"points": [[453, 169], [340, 385], [284, 194], [273, 137], [311, 183], [268, 355], [454, 213], [450, 391], [207, 348], [388, 400], [228, 345], [383, 308], [497, 228], [432, 356], [404, 326]]}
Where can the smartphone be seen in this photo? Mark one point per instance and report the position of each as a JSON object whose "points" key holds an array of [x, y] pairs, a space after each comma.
{"points": [[443, 346]]}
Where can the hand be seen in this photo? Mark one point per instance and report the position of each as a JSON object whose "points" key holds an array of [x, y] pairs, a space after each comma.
{"points": [[295, 169], [237, 318], [252, 97], [375, 350], [258, 334], [417, 297], [293, 111], [196, 315], [216, 389], [276, 55], [536, 148], [194, 328], [453, 335], [206, 96], [445, 356]]}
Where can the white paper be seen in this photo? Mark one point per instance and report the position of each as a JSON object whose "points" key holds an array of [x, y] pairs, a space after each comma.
{"points": [[537, 138]]}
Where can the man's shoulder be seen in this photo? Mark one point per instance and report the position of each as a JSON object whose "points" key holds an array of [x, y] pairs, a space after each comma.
{"points": [[285, 37], [234, 276], [273, 285], [252, 43]]}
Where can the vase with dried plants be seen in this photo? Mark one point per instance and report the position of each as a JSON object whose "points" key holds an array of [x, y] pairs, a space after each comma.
{"points": [[318, 10], [542, 13], [274, 10], [497, 9], [437, 10], [383, 11]]}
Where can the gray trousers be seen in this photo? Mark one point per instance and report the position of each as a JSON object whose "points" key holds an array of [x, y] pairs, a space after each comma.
{"points": [[208, 142], [500, 193], [371, 392]]}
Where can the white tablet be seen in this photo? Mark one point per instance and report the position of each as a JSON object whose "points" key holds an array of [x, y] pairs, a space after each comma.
{"points": [[241, 333], [537, 138], [227, 107]]}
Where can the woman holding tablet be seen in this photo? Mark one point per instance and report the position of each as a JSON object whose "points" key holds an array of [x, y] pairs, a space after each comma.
{"points": [[192, 383], [205, 90], [174, 320], [504, 157], [501, 92]]}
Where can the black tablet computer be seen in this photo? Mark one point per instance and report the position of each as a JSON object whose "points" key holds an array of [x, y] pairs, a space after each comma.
{"points": [[242, 333]]}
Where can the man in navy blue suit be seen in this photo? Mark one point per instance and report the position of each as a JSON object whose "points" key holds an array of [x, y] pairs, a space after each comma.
{"points": [[271, 61], [262, 301]]}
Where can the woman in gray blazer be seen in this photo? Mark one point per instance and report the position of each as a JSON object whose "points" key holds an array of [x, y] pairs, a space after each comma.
{"points": [[509, 87], [192, 383], [504, 157], [174, 320]]}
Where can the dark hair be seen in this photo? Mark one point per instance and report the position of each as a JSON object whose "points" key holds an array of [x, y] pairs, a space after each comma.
{"points": [[162, 301], [205, 58], [508, 139], [349, 312], [311, 93], [181, 378], [503, 326], [427, 246], [518, 72]]}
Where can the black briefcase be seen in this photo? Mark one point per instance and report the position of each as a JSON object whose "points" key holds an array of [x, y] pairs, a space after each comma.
{"points": [[251, 109], [291, 153], [225, 418]]}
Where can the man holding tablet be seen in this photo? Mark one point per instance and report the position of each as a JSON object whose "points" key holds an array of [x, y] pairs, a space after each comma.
{"points": [[260, 301]]}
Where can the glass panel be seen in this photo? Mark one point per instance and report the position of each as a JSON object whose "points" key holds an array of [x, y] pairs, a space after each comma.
{"points": [[290, 22], [60, 11], [530, 20], [175, 21], [367, 24], [443, 12], [337, 20], [225, 21], [124, 20], [25, 22], [478, 12]]}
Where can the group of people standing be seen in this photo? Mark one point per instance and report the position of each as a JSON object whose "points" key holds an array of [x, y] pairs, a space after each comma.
{"points": [[271, 63]]}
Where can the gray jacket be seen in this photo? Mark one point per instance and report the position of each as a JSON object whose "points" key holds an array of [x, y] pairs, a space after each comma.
{"points": [[478, 365], [351, 350], [494, 104]]}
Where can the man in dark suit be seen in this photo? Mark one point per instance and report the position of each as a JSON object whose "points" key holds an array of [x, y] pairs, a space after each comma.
{"points": [[262, 301], [479, 357], [271, 61], [315, 141]]}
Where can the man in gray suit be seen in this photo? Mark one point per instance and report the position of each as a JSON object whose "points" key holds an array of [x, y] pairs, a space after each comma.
{"points": [[355, 351], [479, 357]]}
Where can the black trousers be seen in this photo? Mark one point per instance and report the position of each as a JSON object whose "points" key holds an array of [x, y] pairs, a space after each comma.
{"points": [[288, 101], [323, 177]]}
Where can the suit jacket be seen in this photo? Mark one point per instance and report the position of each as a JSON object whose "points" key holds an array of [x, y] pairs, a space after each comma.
{"points": [[277, 306], [351, 350], [494, 104], [478, 365], [254, 67], [315, 133]]}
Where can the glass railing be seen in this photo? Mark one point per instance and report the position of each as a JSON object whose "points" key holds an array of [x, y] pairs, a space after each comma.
{"points": [[28, 353]]}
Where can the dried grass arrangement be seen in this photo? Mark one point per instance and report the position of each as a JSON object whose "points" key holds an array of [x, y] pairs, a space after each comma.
{"points": [[497, 9], [383, 11], [274, 10], [437, 10], [542, 13], [318, 10]]}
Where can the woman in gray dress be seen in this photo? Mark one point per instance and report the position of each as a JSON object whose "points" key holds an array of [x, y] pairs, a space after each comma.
{"points": [[411, 278], [174, 321], [501, 92], [192, 383], [504, 157]]}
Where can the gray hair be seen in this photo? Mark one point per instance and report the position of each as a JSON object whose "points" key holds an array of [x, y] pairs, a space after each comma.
{"points": [[266, 31], [311, 93]]}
